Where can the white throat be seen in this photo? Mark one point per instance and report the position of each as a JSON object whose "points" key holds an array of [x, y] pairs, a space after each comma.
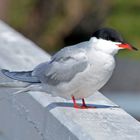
{"points": [[105, 46]]}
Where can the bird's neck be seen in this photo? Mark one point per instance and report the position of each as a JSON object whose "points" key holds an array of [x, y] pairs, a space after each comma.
{"points": [[103, 46]]}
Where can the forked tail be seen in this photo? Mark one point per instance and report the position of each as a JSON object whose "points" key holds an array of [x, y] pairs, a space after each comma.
{"points": [[23, 81], [24, 76]]}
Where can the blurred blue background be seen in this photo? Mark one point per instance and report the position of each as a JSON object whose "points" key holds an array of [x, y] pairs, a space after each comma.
{"points": [[54, 24]]}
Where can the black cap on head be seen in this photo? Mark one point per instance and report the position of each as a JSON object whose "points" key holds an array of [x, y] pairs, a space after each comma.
{"points": [[108, 34]]}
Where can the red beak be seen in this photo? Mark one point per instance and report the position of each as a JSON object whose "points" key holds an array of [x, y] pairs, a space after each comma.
{"points": [[127, 46]]}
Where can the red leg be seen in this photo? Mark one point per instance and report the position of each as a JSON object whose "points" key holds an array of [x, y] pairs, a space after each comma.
{"points": [[84, 106], [83, 103], [74, 103], [77, 106]]}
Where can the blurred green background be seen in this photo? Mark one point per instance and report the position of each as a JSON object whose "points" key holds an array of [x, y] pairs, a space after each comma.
{"points": [[54, 24]]}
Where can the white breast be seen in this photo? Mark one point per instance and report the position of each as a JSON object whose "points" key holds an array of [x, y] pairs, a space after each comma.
{"points": [[96, 75]]}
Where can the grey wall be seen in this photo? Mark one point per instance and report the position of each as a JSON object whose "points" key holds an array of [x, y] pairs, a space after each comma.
{"points": [[126, 76]]}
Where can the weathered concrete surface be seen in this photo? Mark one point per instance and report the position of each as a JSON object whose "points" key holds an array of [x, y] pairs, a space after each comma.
{"points": [[38, 116], [123, 87]]}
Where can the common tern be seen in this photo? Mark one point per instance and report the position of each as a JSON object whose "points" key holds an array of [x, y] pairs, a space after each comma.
{"points": [[76, 71]]}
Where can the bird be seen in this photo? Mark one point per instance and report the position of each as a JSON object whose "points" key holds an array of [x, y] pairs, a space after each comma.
{"points": [[77, 71]]}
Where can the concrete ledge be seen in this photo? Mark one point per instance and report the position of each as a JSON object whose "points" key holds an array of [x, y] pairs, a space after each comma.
{"points": [[38, 116]]}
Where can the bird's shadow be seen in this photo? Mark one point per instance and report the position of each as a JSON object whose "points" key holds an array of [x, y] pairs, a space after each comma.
{"points": [[64, 104]]}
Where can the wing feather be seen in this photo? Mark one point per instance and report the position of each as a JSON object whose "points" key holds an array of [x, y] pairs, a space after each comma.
{"points": [[63, 66]]}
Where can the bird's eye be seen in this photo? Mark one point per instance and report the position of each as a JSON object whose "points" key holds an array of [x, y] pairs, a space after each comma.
{"points": [[106, 37], [113, 39]]}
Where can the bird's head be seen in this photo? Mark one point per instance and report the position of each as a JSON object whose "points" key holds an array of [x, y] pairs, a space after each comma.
{"points": [[109, 41]]}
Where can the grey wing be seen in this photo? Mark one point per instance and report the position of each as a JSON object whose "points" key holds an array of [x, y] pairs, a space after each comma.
{"points": [[64, 66]]}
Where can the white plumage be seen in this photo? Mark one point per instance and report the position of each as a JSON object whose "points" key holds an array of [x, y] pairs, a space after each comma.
{"points": [[76, 71]]}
